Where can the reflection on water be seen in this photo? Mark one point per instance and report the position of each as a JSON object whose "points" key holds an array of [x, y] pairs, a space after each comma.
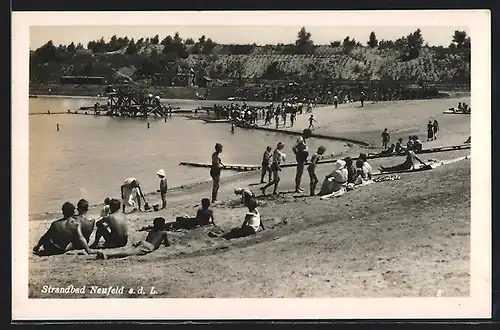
{"points": [[89, 157]]}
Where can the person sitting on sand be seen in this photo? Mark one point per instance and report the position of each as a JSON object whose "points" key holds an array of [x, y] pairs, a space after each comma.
{"points": [[336, 180], [113, 228], [410, 144], [163, 187], [204, 217], [278, 158], [417, 144], [61, 233], [399, 149], [366, 165], [155, 238], [311, 168], [87, 223], [351, 170], [105, 210], [131, 194], [383, 153], [361, 175], [250, 225], [409, 163], [245, 193]]}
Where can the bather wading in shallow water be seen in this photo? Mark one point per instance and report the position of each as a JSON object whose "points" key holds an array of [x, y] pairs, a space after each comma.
{"points": [[113, 228], [155, 238], [61, 233]]}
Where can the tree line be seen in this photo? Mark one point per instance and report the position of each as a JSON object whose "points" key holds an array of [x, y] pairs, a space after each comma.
{"points": [[175, 47]]}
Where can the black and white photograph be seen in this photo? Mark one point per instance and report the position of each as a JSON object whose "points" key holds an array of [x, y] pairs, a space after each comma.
{"points": [[214, 157]]}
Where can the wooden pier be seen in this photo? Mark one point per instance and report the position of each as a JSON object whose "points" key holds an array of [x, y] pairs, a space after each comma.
{"points": [[233, 167], [246, 167]]}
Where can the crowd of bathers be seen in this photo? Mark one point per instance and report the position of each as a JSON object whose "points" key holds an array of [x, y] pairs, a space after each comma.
{"points": [[73, 231]]}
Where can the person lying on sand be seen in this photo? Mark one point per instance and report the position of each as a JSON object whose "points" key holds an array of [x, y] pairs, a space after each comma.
{"points": [[113, 228], [245, 193], [387, 152], [61, 233], [408, 164], [250, 225], [204, 217], [155, 238]]}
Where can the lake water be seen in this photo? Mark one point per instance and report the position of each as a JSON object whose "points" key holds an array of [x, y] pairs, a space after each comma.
{"points": [[90, 157]]}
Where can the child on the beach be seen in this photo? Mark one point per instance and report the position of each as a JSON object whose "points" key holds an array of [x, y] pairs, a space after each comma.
{"points": [[312, 169], [105, 210], [311, 122], [163, 187]]}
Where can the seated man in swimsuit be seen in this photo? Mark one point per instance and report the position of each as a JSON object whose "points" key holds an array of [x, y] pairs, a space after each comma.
{"points": [[155, 238], [204, 216], [408, 164], [113, 228], [86, 222], [62, 234]]}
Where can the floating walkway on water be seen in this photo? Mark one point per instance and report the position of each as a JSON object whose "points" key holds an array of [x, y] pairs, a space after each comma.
{"points": [[234, 167], [100, 114], [247, 167]]}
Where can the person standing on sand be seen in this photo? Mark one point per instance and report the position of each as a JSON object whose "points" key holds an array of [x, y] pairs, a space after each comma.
{"points": [[311, 122], [430, 131], [386, 137], [215, 171], [163, 187], [435, 129], [312, 169], [362, 98], [62, 234], [155, 238], [131, 194], [112, 228], [277, 118], [278, 157], [292, 118], [266, 164], [301, 154]]}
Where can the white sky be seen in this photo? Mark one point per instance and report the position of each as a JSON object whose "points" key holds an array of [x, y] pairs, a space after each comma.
{"points": [[434, 35]]}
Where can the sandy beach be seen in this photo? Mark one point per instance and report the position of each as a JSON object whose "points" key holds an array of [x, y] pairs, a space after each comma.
{"points": [[408, 237]]}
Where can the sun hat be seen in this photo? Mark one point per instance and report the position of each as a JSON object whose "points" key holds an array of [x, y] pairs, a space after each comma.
{"points": [[339, 164], [161, 172]]}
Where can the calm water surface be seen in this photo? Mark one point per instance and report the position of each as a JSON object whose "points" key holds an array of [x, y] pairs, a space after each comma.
{"points": [[90, 157]]}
